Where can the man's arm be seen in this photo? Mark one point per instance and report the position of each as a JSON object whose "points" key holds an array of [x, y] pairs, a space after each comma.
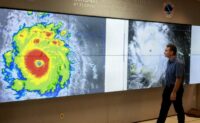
{"points": [[176, 88], [179, 80], [177, 85]]}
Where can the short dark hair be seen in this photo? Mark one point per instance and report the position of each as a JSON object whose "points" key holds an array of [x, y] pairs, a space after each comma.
{"points": [[172, 48]]}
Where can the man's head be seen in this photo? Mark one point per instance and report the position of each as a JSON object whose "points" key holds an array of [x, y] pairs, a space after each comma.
{"points": [[170, 51]]}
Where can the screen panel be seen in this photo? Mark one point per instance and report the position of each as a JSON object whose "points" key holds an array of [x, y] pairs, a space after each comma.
{"points": [[115, 58], [48, 55], [146, 61], [195, 55]]}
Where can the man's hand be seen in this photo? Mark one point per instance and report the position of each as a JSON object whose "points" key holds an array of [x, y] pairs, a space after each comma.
{"points": [[173, 96]]}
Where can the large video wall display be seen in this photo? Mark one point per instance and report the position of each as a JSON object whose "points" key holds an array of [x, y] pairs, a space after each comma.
{"points": [[48, 55]]}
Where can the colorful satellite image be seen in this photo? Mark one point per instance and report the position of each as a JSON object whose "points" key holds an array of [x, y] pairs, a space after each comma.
{"points": [[45, 55]]}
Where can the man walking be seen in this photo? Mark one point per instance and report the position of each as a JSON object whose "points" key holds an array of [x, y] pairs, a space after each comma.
{"points": [[173, 91]]}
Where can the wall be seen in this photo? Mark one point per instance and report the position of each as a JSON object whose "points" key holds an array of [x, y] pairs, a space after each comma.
{"points": [[119, 107], [198, 97], [186, 11]]}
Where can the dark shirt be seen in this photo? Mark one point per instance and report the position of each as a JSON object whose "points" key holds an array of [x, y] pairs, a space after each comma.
{"points": [[175, 69]]}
